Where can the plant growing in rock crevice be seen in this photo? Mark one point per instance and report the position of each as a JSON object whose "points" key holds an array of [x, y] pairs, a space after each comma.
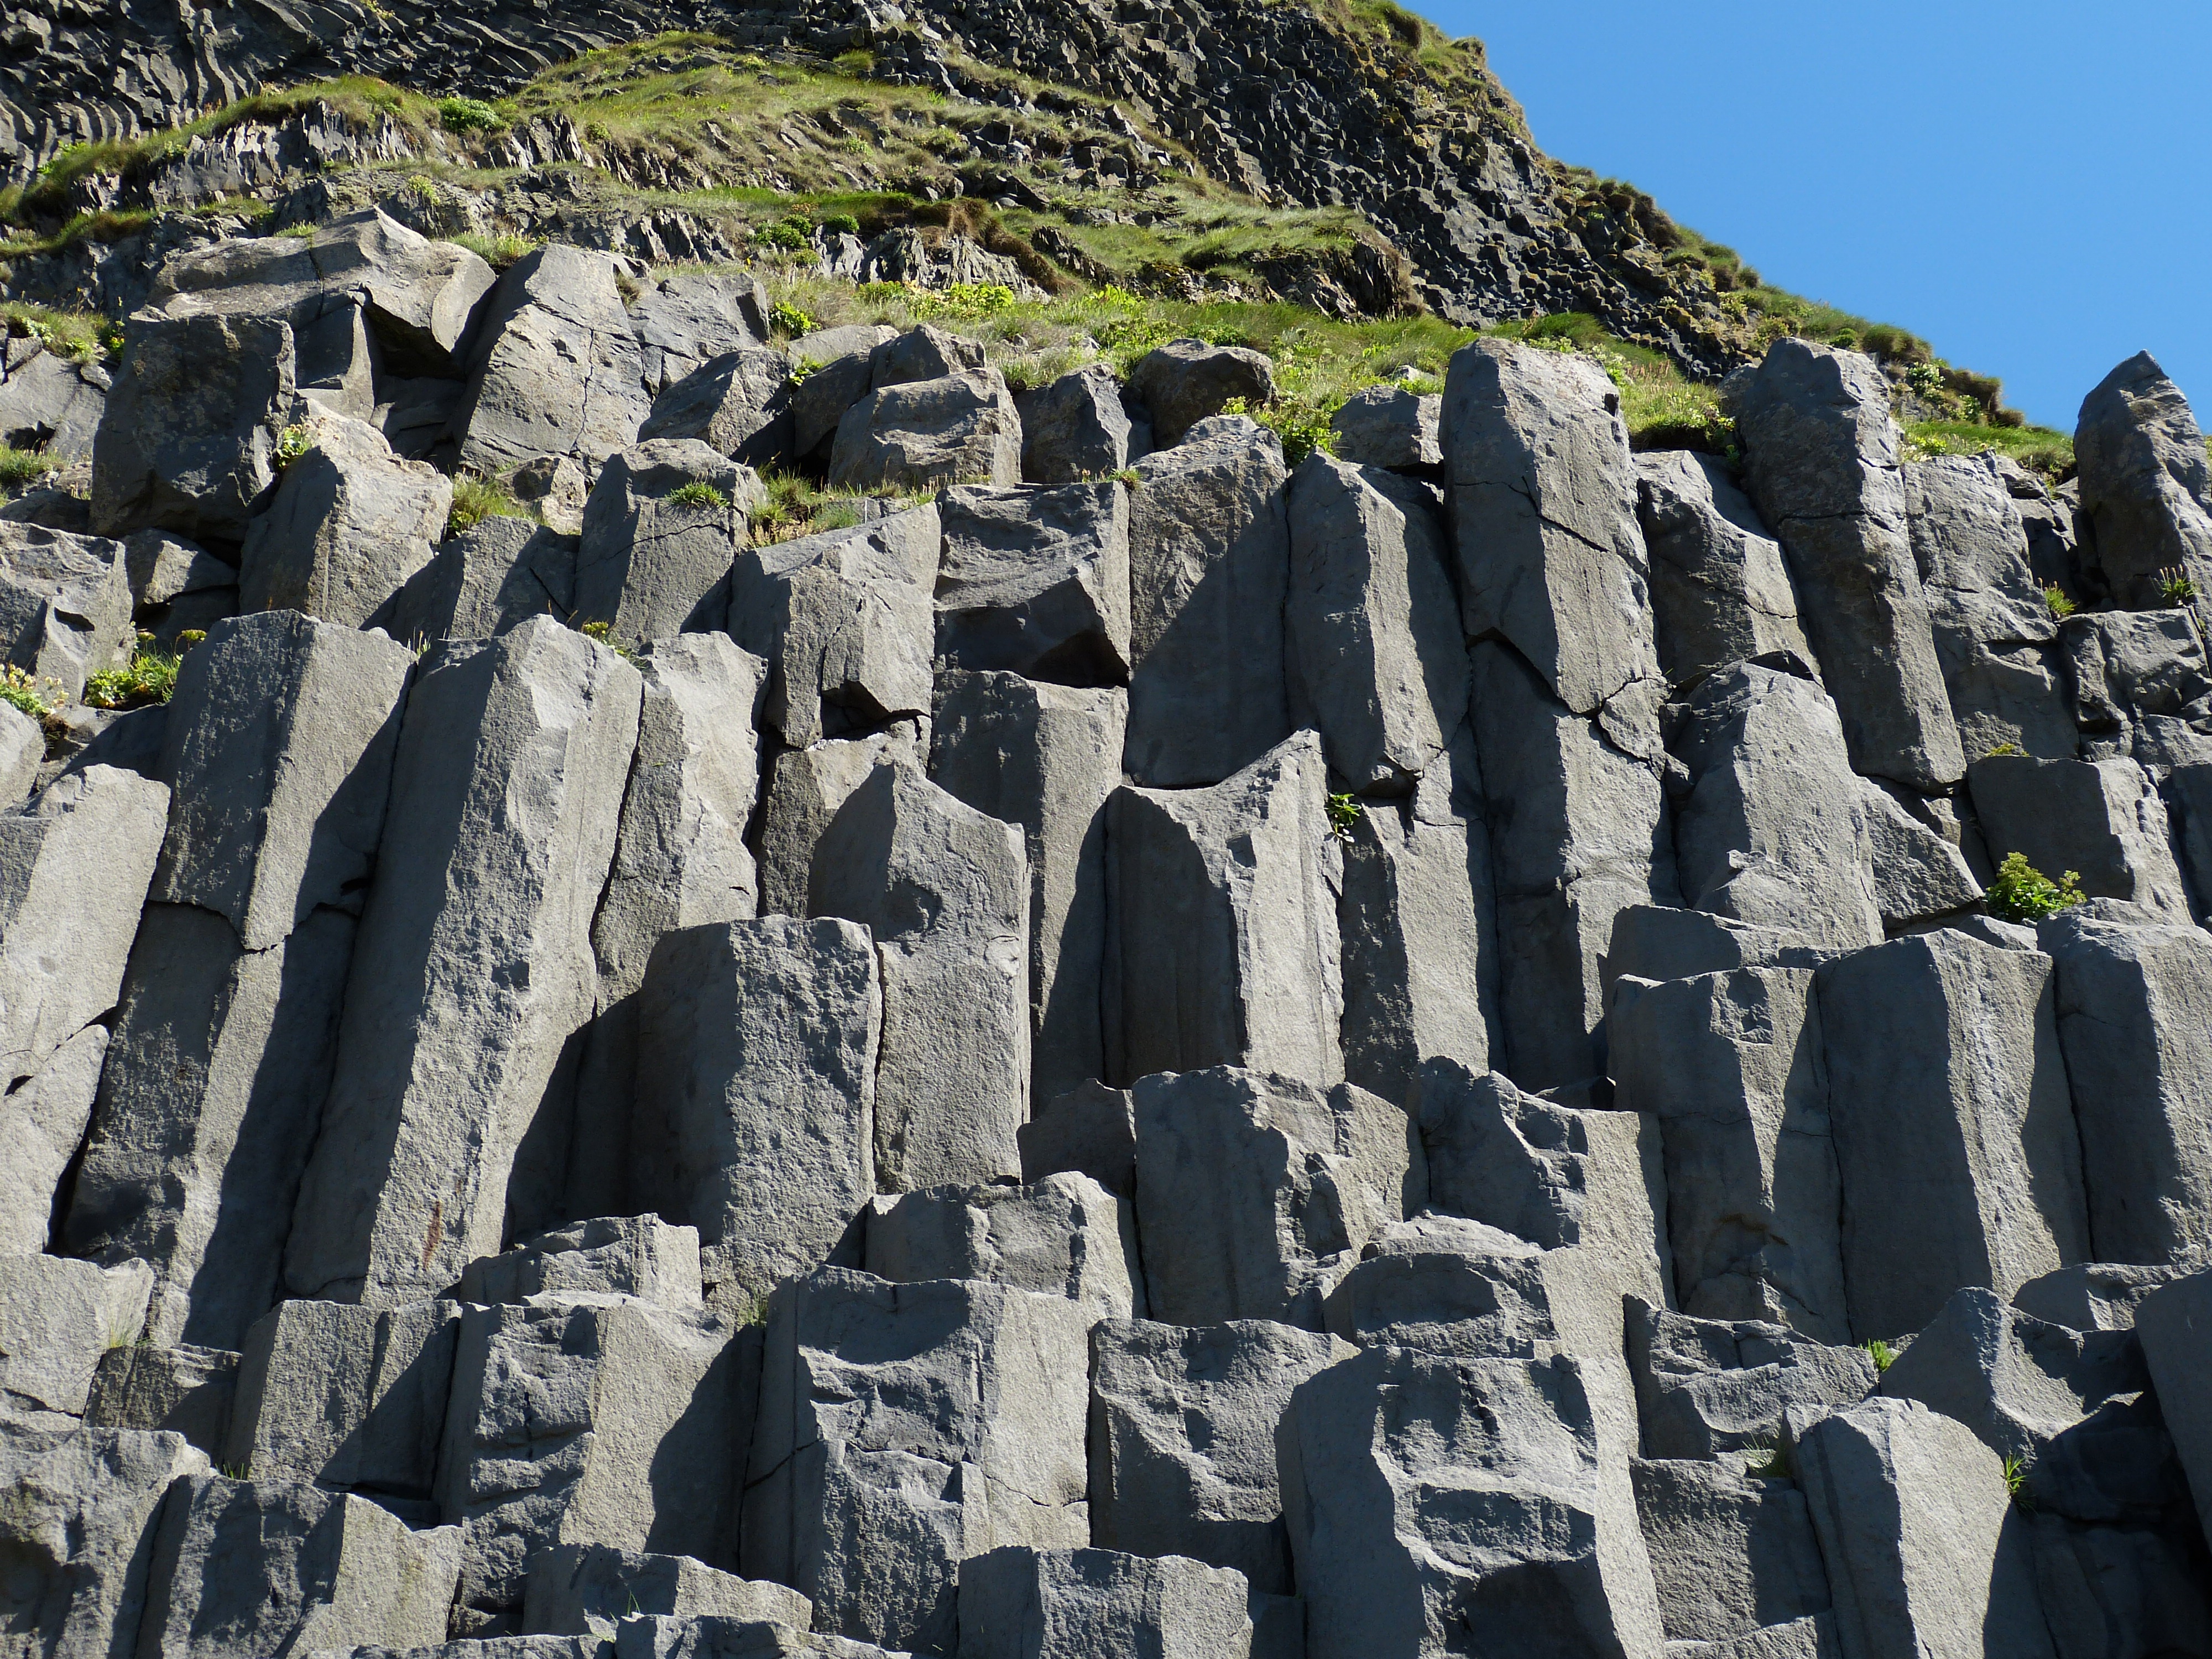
{"points": [[2023, 893], [698, 493]]}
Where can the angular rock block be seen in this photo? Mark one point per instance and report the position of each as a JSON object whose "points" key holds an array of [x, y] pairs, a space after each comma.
{"points": [[1024, 1603], [925, 353], [350, 524], [73, 873], [472, 972], [2128, 1589], [586, 1421], [737, 404], [757, 1090], [1254, 1192], [1091, 1130], [1772, 832], [42, 1125], [707, 1637], [1182, 1440], [494, 576], [22, 752], [1222, 939], [641, 1256], [2093, 1295], [2146, 485], [2128, 668], [2175, 1324], [57, 1318], [840, 365], [1387, 426], [1063, 1236], [652, 565], [1184, 381], [1731, 1555], [1376, 662], [64, 607], [1918, 875], [694, 318], [50, 404], [186, 1391], [175, 586], [1731, 1065], [1707, 1387], [843, 621], [914, 436], [1954, 1131], [1035, 581], [945, 891], [1448, 1285], [1719, 593], [2101, 819], [1074, 429], [1428, 1496], [805, 787], [903, 1430], [1823, 472], [1660, 942], [588, 1589], [1209, 576], [1542, 492]]}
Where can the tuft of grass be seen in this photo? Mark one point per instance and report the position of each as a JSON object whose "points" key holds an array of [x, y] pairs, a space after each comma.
{"points": [[19, 467], [603, 634], [2038, 449], [151, 677], [497, 251], [791, 321], [698, 494], [1771, 1462], [1881, 1353], [2175, 590], [2015, 1479], [2061, 607], [293, 444], [2023, 893], [477, 499], [469, 115]]}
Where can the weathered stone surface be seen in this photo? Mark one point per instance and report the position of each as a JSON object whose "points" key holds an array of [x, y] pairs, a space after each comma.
{"points": [[840, 364], [57, 1318], [2146, 484], [50, 404], [903, 1430], [918, 435], [2127, 670], [1044, 758], [177, 586], [924, 353], [588, 1589], [1448, 1285], [1254, 1192], [555, 368], [494, 576], [1719, 593], [649, 565], [1035, 581], [1389, 426], [694, 318], [706, 1636], [2093, 1295], [805, 787], [1729, 1555], [1731, 1065], [2102, 819], [556, 487], [1707, 1387], [1063, 1236], [591, 1420], [185, 1390], [1916, 1526], [1376, 662], [641, 1256], [22, 751], [945, 891], [1182, 1439], [1091, 1130], [73, 872], [843, 620], [42, 1124], [739, 404], [1578, 832], [1772, 831], [757, 1090], [349, 523], [284, 1567], [1024, 1603], [1917, 874], [1542, 495], [1660, 942], [64, 607], [1184, 381], [78, 1531], [2119, 1589], [476, 946], [1424, 1495], [1222, 939], [1824, 471], [1209, 570], [1953, 1129], [2175, 1324], [1074, 429]]}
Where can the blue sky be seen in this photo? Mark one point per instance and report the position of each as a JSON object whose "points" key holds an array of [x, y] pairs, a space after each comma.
{"points": [[2026, 184]]}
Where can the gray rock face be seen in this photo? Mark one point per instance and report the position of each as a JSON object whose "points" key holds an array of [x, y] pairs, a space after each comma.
{"points": [[1825, 474], [1387, 426], [1074, 429], [903, 1430], [2093, 1295], [1917, 874], [1732, 1065], [22, 751], [925, 353], [79, 1532], [757, 1088], [1023, 1603], [1035, 581], [1447, 1286], [651, 565], [1729, 1555], [2102, 819], [1913, 1518], [1223, 944], [805, 787], [42, 1124], [2126, 1587], [1659, 942], [1772, 832], [51, 405], [2127, 670], [2133, 1031], [1182, 1440], [695, 318], [1064, 1236], [914, 436], [349, 523], [1045, 758], [1254, 1192], [1090, 1130], [494, 576], [555, 368], [641, 1256], [1542, 495], [1954, 1131], [476, 944], [73, 872], [1707, 1387], [1719, 593], [2175, 1324], [1579, 833], [839, 365], [589, 1590], [739, 404], [1380, 1457], [57, 1318], [945, 891], [1993, 628], [185, 1390], [177, 586], [1184, 381], [2146, 484], [64, 607], [284, 1567], [1375, 661], [1209, 568]]}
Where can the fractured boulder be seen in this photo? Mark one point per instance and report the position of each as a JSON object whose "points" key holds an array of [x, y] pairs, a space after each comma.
{"points": [[1035, 581], [1074, 429], [42, 1125], [914, 437], [2146, 485], [64, 607], [1729, 1554], [1184, 381], [57, 1317], [1707, 1387], [1063, 1236], [1719, 593], [1019, 1602], [739, 404], [653, 560], [590, 1589], [2101, 819]]}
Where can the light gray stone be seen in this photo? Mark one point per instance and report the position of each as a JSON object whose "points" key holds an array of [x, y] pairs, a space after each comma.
{"points": [[1035, 581], [2093, 1295], [739, 404], [650, 566], [555, 488], [2126, 668], [494, 576], [917, 435], [1660, 942], [945, 891], [2175, 1324], [1184, 381], [42, 1125], [1063, 1236], [1825, 473], [805, 787], [1091, 1130], [588, 1589], [641, 1256], [1221, 937], [64, 607], [51, 405], [2146, 484], [1709, 1387], [1811, 1637], [473, 972], [1918, 876], [695, 317], [1389, 426], [924, 353], [1209, 576], [1074, 429], [22, 752], [495, 1647], [833, 368], [709, 1637], [903, 1430], [2102, 819], [185, 1390], [1719, 591], [1731, 1555], [1024, 1603], [57, 1318]]}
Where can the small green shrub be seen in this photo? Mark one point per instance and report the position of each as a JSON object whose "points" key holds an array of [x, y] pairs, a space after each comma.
{"points": [[1997, 751], [604, 634], [477, 499], [21, 466], [469, 115], [1881, 1353], [962, 302], [1770, 1460], [2061, 607], [2023, 893], [292, 443], [786, 236], [840, 224], [1343, 816], [1303, 428], [150, 679], [2015, 1479], [1129, 475], [497, 251], [19, 690], [2175, 590], [698, 493], [788, 318]]}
